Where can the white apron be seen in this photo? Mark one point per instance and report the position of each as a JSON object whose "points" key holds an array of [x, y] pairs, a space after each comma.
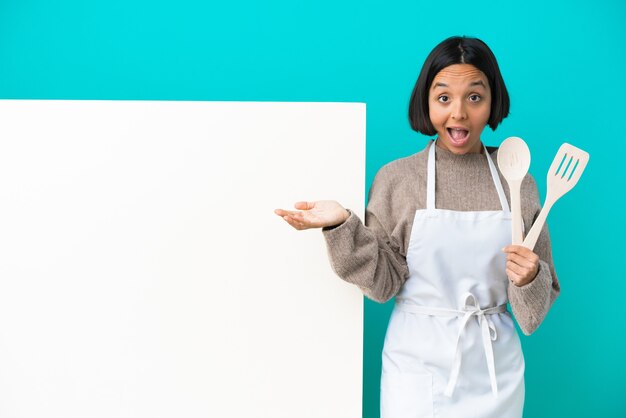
{"points": [[451, 349]]}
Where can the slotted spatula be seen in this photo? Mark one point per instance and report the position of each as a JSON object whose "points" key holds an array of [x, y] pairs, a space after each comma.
{"points": [[565, 171]]}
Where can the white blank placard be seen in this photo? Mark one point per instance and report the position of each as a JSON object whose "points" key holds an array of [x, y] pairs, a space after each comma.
{"points": [[143, 272]]}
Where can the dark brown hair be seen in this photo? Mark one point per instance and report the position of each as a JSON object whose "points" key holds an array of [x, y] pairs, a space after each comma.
{"points": [[458, 50]]}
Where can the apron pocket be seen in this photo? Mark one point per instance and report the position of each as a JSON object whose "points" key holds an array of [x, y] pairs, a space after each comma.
{"points": [[406, 395]]}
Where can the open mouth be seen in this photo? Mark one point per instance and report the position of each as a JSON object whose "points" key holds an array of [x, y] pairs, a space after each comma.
{"points": [[458, 136]]}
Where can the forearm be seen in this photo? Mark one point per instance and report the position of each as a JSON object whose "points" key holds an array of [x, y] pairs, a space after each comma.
{"points": [[531, 302], [361, 256]]}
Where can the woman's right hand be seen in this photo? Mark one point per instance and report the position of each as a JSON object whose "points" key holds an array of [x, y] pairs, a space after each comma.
{"points": [[316, 214]]}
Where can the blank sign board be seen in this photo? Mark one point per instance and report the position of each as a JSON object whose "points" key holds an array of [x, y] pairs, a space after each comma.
{"points": [[143, 272]]}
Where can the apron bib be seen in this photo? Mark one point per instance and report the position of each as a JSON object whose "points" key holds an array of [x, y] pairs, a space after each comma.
{"points": [[451, 348]]}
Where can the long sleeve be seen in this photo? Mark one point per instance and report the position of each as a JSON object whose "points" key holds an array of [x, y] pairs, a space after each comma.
{"points": [[530, 303], [373, 255], [368, 255]]}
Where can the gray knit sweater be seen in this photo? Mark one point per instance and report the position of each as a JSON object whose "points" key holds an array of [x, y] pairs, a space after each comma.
{"points": [[373, 256]]}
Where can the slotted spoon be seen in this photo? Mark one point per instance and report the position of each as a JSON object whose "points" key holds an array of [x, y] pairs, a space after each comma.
{"points": [[514, 161], [565, 171]]}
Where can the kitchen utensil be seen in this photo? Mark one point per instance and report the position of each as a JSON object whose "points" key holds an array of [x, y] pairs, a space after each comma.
{"points": [[565, 171], [513, 161]]}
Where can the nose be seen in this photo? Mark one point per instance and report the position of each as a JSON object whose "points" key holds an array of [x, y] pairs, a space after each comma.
{"points": [[457, 110]]}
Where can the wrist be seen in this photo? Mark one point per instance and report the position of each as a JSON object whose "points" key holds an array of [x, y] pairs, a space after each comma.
{"points": [[347, 215], [344, 219]]}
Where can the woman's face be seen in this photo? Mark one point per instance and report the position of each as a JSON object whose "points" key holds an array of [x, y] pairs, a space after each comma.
{"points": [[459, 104]]}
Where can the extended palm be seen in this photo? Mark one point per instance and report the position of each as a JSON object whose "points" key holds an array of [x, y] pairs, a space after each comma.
{"points": [[314, 214]]}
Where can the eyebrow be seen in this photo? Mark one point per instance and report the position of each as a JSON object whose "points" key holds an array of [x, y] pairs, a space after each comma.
{"points": [[472, 84]]}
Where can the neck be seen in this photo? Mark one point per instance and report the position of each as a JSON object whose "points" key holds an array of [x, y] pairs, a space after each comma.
{"points": [[477, 149]]}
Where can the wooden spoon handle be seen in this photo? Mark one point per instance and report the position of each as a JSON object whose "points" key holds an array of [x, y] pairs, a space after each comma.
{"points": [[516, 214], [533, 235]]}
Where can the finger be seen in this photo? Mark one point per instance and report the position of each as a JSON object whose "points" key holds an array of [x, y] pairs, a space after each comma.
{"points": [[521, 261], [519, 249], [283, 212], [299, 217], [294, 223], [302, 220], [292, 213], [522, 252], [514, 277], [514, 268], [523, 272]]}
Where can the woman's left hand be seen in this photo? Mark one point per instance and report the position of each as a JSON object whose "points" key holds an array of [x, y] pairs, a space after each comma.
{"points": [[522, 264]]}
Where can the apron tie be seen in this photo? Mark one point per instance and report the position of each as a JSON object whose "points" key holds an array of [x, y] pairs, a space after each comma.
{"points": [[489, 334], [488, 331]]}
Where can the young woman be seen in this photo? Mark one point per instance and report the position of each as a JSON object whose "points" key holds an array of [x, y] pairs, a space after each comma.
{"points": [[437, 236]]}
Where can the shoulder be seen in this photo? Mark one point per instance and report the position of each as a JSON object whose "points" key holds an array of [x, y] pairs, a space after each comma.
{"points": [[529, 188], [402, 171], [394, 195]]}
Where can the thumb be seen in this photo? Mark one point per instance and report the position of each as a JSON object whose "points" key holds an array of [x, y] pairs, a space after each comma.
{"points": [[304, 205]]}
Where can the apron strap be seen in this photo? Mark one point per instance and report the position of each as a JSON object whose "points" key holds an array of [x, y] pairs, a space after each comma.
{"points": [[431, 181], [497, 182]]}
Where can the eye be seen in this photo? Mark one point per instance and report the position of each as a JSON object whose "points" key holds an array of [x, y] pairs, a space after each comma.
{"points": [[476, 97], [443, 98]]}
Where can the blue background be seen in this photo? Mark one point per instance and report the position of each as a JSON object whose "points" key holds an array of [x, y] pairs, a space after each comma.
{"points": [[563, 63]]}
